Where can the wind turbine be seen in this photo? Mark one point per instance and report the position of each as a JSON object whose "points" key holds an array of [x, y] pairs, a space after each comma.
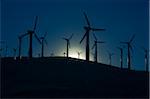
{"points": [[31, 33], [14, 50], [1, 49], [110, 57], [95, 46], [93, 55], [146, 57], [20, 44], [68, 44], [52, 54], [88, 29], [6, 47], [64, 54], [42, 41], [121, 56], [79, 53], [129, 48], [39, 55]]}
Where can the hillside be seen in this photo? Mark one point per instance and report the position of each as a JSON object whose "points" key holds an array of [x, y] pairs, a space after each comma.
{"points": [[62, 77]]}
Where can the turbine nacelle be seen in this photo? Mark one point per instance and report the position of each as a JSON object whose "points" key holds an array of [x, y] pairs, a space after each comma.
{"points": [[42, 38], [88, 28], [30, 31]]}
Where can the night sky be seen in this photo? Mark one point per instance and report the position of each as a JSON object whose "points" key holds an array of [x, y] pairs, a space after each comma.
{"points": [[61, 18]]}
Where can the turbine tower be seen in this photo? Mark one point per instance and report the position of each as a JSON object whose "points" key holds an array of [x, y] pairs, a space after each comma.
{"points": [[14, 50], [88, 29], [79, 53], [1, 49], [110, 57], [121, 56], [64, 54], [31, 33], [95, 46], [43, 40], [146, 58], [68, 44], [20, 44], [129, 46]]}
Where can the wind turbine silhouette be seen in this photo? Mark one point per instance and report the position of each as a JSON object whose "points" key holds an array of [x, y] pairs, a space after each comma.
{"points": [[14, 50], [110, 57], [121, 56], [68, 44], [20, 44], [129, 46], [1, 49], [88, 29], [79, 53], [30, 33], [38, 54], [64, 54], [95, 46], [52, 54], [6, 47], [146, 57], [92, 54], [42, 41]]}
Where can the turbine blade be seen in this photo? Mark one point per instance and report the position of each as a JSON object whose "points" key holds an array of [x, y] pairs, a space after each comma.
{"points": [[86, 19], [93, 45], [119, 48], [95, 36], [37, 38], [92, 53], [64, 38], [69, 44], [35, 23], [132, 38], [110, 54], [71, 36], [83, 37], [46, 42], [94, 29], [23, 35], [45, 35], [131, 48]]}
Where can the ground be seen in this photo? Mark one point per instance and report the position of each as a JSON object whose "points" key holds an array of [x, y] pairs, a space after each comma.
{"points": [[69, 77]]}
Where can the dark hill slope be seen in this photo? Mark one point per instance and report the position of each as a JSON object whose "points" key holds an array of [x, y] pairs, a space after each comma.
{"points": [[61, 77]]}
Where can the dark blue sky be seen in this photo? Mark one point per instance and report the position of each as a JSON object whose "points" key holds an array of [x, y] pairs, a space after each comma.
{"points": [[61, 18]]}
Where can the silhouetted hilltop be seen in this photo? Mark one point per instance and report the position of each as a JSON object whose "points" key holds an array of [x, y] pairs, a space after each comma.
{"points": [[70, 77]]}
